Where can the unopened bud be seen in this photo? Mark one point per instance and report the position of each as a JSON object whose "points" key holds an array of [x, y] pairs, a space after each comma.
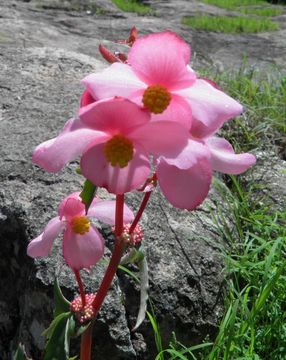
{"points": [[83, 313]]}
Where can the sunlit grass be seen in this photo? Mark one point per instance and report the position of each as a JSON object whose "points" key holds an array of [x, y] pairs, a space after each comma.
{"points": [[230, 24], [132, 6], [232, 4], [264, 11]]}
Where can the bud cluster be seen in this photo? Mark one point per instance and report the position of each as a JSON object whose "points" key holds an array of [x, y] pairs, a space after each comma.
{"points": [[83, 313], [132, 239]]}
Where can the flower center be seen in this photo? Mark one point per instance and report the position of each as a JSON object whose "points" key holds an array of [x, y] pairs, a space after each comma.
{"points": [[80, 225], [118, 151], [156, 98]]}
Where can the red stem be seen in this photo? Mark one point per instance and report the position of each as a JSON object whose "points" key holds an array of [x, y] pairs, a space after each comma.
{"points": [[115, 258], [85, 346], [80, 285], [86, 338], [140, 211], [119, 215]]}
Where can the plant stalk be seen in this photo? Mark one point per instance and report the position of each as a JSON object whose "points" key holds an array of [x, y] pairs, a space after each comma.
{"points": [[86, 339]]}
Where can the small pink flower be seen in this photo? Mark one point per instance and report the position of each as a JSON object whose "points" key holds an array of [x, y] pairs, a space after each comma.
{"points": [[116, 139], [186, 180], [83, 245], [158, 76]]}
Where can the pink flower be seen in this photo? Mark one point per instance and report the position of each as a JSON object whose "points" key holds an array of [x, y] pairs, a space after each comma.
{"points": [[116, 139], [83, 246], [158, 76], [185, 181]]}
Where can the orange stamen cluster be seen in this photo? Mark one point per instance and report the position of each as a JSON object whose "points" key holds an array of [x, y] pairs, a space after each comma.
{"points": [[83, 313], [118, 151], [80, 225], [156, 98]]}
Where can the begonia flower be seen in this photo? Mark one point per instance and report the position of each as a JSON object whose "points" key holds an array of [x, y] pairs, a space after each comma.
{"points": [[115, 138], [83, 245], [157, 76], [185, 181]]}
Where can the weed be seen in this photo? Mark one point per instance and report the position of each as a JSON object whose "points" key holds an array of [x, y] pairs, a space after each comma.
{"points": [[266, 11], [132, 6], [233, 4], [230, 24]]}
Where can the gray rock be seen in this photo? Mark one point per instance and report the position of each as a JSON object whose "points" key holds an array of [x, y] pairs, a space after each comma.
{"points": [[270, 180]]}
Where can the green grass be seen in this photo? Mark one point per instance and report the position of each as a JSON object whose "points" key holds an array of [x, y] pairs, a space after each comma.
{"points": [[132, 6], [254, 324], [230, 24], [266, 11], [233, 4]]}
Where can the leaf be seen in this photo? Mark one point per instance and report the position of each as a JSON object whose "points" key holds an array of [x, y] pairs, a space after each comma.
{"points": [[81, 329], [62, 304], [134, 256], [69, 331], [56, 333], [88, 192], [20, 354], [144, 286]]}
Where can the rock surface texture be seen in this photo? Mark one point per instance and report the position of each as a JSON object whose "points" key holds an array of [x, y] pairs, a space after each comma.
{"points": [[45, 51]]}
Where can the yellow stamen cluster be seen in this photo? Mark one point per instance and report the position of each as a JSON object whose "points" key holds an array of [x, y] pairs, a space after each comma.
{"points": [[80, 225], [118, 151], [156, 98]]}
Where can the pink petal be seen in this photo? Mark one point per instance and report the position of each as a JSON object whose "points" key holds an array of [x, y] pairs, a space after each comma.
{"points": [[117, 80], [162, 58], [73, 207], [224, 159], [210, 107], [53, 154], [105, 212], [86, 98], [185, 189], [113, 115], [179, 110], [115, 179], [42, 245], [193, 152], [62, 205], [165, 138], [82, 251]]}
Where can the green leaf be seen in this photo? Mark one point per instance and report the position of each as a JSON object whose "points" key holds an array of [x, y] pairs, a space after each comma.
{"points": [[88, 192], [81, 329], [134, 256], [144, 286], [69, 331], [62, 304], [56, 333], [20, 354]]}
